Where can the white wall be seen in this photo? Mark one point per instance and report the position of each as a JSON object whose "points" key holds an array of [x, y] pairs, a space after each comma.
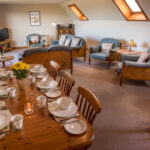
{"points": [[16, 18], [105, 20]]}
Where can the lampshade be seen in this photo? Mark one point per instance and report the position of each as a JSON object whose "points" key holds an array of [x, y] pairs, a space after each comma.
{"points": [[132, 44]]}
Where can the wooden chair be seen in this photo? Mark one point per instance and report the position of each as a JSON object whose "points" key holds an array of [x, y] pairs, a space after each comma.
{"points": [[88, 104], [66, 82], [54, 68]]}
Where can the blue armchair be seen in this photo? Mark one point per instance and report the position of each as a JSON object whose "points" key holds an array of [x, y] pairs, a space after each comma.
{"points": [[96, 51], [34, 40], [129, 68]]}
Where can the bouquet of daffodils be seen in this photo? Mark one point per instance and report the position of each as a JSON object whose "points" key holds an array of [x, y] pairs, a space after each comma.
{"points": [[20, 70]]}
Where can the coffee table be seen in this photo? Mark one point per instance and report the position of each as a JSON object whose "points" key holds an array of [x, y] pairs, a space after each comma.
{"points": [[127, 52], [6, 58]]}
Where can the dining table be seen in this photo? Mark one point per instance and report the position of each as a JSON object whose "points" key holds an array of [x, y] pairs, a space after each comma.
{"points": [[40, 130]]}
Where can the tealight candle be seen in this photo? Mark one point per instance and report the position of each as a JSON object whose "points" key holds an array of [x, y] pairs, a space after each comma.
{"points": [[28, 108]]}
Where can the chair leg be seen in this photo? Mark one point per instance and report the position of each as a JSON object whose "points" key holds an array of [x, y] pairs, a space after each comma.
{"points": [[89, 61], [121, 81], [108, 65]]}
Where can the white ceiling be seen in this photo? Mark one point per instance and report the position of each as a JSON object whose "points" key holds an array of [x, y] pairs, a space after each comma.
{"points": [[30, 1]]}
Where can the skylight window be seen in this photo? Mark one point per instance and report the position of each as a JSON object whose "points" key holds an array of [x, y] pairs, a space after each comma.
{"points": [[131, 10], [133, 5], [78, 12]]}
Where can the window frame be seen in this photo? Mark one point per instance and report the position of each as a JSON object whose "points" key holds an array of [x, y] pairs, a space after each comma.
{"points": [[130, 15], [81, 13]]}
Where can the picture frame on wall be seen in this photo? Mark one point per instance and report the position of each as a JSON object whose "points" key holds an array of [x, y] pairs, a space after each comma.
{"points": [[35, 19]]}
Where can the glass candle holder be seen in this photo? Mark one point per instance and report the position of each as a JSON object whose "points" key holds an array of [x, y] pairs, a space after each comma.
{"points": [[28, 108]]}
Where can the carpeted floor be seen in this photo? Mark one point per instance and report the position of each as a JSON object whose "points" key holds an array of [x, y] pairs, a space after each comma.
{"points": [[125, 119]]}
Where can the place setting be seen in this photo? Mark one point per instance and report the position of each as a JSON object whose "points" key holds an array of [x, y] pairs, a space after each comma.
{"points": [[65, 112], [7, 92], [38, 69]]}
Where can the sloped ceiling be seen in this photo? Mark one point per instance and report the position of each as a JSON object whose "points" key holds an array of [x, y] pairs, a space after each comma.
{"points": [[30, 1], [101, 9]]}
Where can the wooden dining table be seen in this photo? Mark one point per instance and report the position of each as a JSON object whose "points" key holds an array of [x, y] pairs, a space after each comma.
{"points": [[40, 130]]}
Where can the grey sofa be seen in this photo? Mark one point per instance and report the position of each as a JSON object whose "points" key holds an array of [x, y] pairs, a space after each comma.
{"points": [[129, 68], [78, 51]]}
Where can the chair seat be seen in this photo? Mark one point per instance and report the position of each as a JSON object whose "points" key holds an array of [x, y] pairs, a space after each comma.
{"points": [[101, 56], [35, 45], [119, 67]]}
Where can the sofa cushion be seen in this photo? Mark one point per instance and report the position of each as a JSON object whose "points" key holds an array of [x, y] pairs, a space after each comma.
{"points": [[143, 58], [106, 47], [101, 56], [62, 40], [67, 42], [75, 42], [35, 39], [28, 52]]}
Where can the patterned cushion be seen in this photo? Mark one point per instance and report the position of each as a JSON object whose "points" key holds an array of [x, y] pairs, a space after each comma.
{"points": [[75, 42], [67, 42], [35, 39], [143, 58], [106, 47], [62, 40]]}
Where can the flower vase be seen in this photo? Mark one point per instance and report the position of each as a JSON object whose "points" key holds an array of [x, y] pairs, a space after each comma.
{"points": [[20, 84]]}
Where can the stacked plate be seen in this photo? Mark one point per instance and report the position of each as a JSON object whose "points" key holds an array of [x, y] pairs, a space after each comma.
{"points": [[38, 69], [45, 85], [53, 93], [3, 92], [64, 108], [5, 119], [3, 75]]}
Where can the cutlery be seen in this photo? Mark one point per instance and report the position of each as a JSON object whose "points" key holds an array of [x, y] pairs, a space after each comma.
{"points": [[77, 120], [64, 120]]}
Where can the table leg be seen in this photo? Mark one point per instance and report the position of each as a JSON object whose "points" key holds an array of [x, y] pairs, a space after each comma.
{"points": [[3, 62]]}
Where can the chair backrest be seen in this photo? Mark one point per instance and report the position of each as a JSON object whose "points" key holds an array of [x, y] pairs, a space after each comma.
{"points": [[54, 68], [34, 34], [88, 104], [116, 43], [66, 82]]}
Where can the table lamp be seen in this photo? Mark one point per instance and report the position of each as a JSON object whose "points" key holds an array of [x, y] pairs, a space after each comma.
{"points": [[131, 44]]}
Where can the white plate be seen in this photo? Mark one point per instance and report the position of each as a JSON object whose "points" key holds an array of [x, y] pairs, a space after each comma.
{"points": [[62, 107], [76, 127], [38, 70], [52, 84], [2, 104], [5, 118], [53, 93], [2, 83], [3, 90]]}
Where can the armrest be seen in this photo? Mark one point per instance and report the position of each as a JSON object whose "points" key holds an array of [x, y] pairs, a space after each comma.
{"points": [[76, 48], [95, 49], [136, 65], [114, 50], [133, 58], [54, 42]]}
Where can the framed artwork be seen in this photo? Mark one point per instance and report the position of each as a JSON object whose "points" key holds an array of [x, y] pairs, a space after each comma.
{"points": [[35, 18]]}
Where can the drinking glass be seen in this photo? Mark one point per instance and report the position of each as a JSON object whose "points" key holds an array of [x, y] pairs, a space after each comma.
{"points": [[17, 121]]}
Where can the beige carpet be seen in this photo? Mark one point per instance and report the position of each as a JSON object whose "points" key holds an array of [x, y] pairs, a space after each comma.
{"points": [[124, 121]]}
